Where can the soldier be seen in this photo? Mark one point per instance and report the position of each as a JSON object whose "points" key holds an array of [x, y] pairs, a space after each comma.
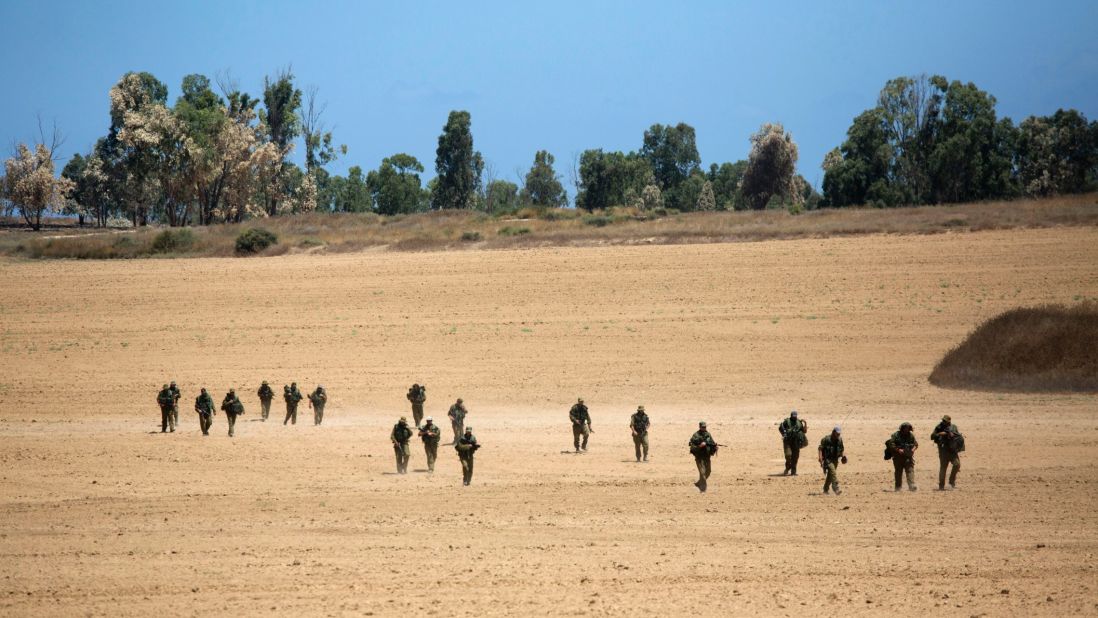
{"points": [[400, 436], [466, 447], [950, 446], [430, 434], [204, 406], [703, 448], [581, 424], [830, 454], [794, 437], [417, 395], [317, 400], [900, 448], [266, 395], [638, 426], [176, 395], [232, 407], [457, 415], [166, 399], [292, 396]]}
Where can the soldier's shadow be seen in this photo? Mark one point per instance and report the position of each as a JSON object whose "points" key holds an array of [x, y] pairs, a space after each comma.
{"points": [[571, 453]]}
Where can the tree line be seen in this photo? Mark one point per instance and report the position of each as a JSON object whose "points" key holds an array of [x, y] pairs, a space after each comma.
{"points": [[223, 156]]}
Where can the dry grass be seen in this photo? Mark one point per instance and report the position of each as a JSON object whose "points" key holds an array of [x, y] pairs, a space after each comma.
{"points": [[452, 230], [1041, 349]]}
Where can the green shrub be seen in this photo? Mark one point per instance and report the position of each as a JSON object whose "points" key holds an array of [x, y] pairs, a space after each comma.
{"points": [[254, 240], [310, 242], [470, 236], [598, 220], [513, 231], [173, 241]]}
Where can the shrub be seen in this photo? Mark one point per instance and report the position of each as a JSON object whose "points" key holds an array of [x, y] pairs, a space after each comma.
{"points": [[470, 236], [254, 240], [305, 243], [173, 241], [513, 231], [598, 220]]}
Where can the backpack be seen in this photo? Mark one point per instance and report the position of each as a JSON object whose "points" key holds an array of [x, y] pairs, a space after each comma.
{"points": [[795, 435]]}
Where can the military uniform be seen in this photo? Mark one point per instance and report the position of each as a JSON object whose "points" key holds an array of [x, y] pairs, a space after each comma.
{"points": [[703, 447], [638, 426], [901, 447], [466, 448], [794, 437], [204, 406], [417, 395], [266, 396], [166, 399], [317, 400], [831, 453], [581, 425], [457, 415], [950, 445], [176, 395], [292, 396], [400, 436], [232, 407], [430, 433]]}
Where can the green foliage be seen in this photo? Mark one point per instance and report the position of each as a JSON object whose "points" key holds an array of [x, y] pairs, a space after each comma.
{"points": [[282, 105], [610, 179], [598, 220], [470, 236], [672, 154], [726, 185], [350, 194], [501, 196], [513, 231], [173, 241], [542, 187], [254, 240], [395, 186], [458, 166]]}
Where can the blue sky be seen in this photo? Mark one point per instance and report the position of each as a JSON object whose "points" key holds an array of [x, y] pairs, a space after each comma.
{"points": [[560, 76]]}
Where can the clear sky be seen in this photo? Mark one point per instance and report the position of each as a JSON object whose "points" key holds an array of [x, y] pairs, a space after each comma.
{"points": [[560, 76]]}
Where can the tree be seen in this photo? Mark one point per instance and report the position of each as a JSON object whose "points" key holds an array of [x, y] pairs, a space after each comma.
{"points": [[129, 166], [1056, 154], [458, 166], [319, 150], [673, 156], [542, 187], [707, 200], [501, 196], [29, 183], [351, 194], [770, 167], [74, 172], [280, 116], [395, 186], [611, 179], [725, 181]]}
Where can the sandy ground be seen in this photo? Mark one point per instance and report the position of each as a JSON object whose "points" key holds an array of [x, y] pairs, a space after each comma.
{"points": [[103, 515]]}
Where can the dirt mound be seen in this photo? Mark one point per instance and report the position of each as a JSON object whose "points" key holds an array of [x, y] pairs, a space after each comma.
{"points": [[1051, 348]]}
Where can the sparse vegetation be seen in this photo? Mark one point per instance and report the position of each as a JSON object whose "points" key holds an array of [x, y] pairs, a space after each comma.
{"points": [[1051, 348]]}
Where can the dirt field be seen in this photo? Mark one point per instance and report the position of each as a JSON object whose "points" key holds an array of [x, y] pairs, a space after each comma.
{"points": [[103, 515]]}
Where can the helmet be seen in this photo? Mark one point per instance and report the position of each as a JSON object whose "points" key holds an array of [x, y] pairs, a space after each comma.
{"points": [[906, 425], [793, 414], [264, 383], [640, 408], [701, 425], [580, 400], [459, 400]]}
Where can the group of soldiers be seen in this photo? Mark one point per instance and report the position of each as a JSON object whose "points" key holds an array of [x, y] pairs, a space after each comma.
{"points": [[169, 396], [900, 447]]}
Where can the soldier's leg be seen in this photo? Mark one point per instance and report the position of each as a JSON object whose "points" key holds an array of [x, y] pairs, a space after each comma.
{"points": [[644, 443], [637, 446], [943, 463], [576, 431], [898, 464], [833, 472], [956, 461], [586, 435], [417, 413], [828, 476], [293, 419], [788, 457], [466, 470], [700, 462], [175, 415], [794, 457], [432, 454], [165, 417], [909, 470], [265, 408]]}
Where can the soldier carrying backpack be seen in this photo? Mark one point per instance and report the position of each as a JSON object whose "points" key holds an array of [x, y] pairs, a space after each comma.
{"points": [[794, 437]]}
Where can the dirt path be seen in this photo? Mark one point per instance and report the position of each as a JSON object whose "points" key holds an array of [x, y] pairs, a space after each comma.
{"points": [[105, 516]]}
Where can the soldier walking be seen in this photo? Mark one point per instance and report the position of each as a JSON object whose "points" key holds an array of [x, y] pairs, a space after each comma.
{"points": [[901, 449], [166, 399], [703, 447], [831, 453], [176, 395], [417, 395], [950, 446], [430, 434], [638, 426], [292, 396], [266, 396], [794, 437], [317, 400], [581, 424], [466, 447], [204, 406], [400, 436], [232, 407], [457, 416]]}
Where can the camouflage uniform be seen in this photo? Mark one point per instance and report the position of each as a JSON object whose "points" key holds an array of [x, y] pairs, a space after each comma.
{"points": [[317, 400], [266, 395], [794, 437], [581, 425], [400, 436], [204, 406], [950, 444], [638, 426], [292, 396], [703, 447], [417, 395], [831, 453], [466, 448], [166, 399], [430, 434], [176, 395], [232, 407], [902, 446], [457, 419]]}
